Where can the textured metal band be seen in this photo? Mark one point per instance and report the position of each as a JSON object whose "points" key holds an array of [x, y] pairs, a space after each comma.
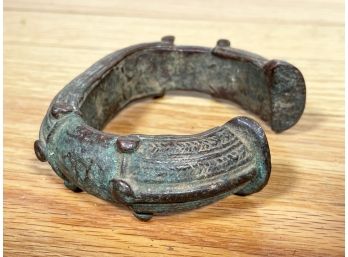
{"points": [[162, 174]]}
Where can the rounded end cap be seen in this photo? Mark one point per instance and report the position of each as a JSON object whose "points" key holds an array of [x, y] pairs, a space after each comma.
{"points": [[288, 94], [259, 143]]}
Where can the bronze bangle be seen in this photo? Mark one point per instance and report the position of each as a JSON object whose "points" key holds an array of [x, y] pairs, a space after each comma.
{"points": [[169, 173]]}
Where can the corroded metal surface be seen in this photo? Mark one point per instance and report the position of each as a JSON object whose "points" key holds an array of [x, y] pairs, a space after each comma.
{"points": [[162, 174]]}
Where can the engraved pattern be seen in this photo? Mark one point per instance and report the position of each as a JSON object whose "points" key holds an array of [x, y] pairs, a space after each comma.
{"points": [[193, 157], [166, 146]]}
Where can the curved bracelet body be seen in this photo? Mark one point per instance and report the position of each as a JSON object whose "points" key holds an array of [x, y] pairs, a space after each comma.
{"points": [[161, 174]]}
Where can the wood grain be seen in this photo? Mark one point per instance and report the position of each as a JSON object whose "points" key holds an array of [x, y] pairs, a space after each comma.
{"points": [[299, 213]]}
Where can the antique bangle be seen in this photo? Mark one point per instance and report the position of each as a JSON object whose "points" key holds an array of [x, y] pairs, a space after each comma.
{"points": [[169, 173]]}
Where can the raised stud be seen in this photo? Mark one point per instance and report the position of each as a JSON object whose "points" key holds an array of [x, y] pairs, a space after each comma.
{"points": [[143, 216], [223, 43], [160, 95], [39, 151], [168, 39], [127, 144], [121, 191], [58, 110]]}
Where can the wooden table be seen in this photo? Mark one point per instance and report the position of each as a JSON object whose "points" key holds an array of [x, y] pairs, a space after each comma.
{"points": [[299, 213]]}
